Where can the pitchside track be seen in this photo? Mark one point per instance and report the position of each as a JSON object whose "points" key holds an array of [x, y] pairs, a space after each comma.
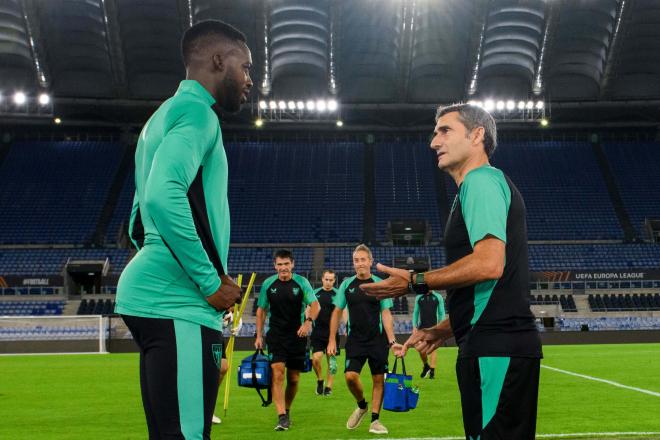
{"points": [[587, 392]]}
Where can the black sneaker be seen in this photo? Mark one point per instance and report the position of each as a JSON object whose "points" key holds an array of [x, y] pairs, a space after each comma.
{"points": [[327, 391], [425, 371], [432, 373], [319, 387], [283, 423]]}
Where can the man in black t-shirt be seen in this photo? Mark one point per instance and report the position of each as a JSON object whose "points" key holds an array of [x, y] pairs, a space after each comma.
{"points": [[283, 299], [487, 282], [319, 340]]}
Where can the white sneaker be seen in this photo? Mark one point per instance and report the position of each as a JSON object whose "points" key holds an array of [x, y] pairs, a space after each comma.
{"points": [[216, 420], [356, 418], [377, 428]]}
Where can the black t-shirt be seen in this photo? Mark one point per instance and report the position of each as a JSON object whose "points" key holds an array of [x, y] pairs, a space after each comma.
{"points": [[364, 311], [322, 323], [286, 302], [491, 318]]}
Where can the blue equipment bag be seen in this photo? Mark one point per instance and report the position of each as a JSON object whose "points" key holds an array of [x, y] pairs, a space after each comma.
{"points": [[254, 372], [399, 394]]}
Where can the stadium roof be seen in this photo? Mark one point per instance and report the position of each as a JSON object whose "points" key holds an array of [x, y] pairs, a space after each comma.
{"points": [[115, 59]]}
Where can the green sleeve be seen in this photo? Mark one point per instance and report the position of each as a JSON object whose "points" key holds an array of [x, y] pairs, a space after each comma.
{"points": [[441, 306], [308, 292], [340, 298], [415, 318], [263, 293], [175, 165], [485, 198], [384, 303]]}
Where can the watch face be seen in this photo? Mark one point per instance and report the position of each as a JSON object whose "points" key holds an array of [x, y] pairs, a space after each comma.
{"points": [[419, 278]]}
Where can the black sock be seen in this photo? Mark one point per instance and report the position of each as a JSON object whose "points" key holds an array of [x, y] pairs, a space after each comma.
{"points": [[374, 417], [432, 369], [283, 415], [320, 382], [362, 404], [287, 412], [426, 365]]}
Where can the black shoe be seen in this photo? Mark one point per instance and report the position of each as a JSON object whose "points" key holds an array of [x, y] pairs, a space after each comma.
{"points": [[283, 423], [327, 391], [425, 371], [319, 387], [432, 373]]}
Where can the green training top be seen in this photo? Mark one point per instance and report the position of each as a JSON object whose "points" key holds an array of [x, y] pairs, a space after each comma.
{"points": [[181, 205]]}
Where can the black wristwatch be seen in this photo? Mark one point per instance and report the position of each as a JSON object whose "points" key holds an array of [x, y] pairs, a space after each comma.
{"points": [[417, 283], [309, 319]]}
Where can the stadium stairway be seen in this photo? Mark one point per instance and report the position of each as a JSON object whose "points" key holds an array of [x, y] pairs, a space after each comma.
{"points": [[113, 195], [613, 191], [318, 260], [369, 213], [71, 307]]}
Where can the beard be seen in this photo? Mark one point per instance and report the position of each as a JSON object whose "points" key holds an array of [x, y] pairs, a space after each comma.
{"points": [[230, 101]]}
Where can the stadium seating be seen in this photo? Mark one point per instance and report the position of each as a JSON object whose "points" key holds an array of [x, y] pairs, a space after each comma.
{"points": [[605, 323], [96, 307], [566, 302], [52, 261], [122, 213], [563, 188], [621, 303], [53, 192], [635, 167], [296, 192], [593, 256], [32, 308], [405, 186]]}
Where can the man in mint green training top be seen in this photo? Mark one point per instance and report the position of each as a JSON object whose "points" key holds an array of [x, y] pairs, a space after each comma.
{"points": [[173, 293]]}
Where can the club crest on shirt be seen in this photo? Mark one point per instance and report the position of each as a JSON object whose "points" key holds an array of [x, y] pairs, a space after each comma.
{"points": [[216, 349], [296, 290], [351, 290], [273, 290]]}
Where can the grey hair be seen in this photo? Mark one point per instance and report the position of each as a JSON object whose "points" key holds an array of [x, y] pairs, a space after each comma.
{"points": [[473, 116]]}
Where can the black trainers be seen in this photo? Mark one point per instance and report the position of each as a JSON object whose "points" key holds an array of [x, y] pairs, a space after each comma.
{"points": [[425, 371], [319, 387], [432, 373], [283, 423], [327, 391]]}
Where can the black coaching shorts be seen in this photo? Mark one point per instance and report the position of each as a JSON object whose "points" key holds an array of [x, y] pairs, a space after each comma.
{"points": [[375, 352], [499, 397], [290, 350]]}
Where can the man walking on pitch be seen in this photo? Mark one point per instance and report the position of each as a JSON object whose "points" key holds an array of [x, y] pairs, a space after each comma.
{"points": [[325, 295], [486, 278], [283, 300], [370, 334], [173, 293], [428, 311]]}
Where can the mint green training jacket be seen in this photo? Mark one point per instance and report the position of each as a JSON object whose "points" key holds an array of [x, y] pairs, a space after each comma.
{"points": [[181, 206]]}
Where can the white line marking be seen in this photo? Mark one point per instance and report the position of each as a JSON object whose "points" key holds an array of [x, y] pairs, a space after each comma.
{"points": [[595, 435], [609, 382]]}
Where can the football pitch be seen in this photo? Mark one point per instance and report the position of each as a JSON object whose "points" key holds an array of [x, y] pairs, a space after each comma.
{"points": [[587, 392]]}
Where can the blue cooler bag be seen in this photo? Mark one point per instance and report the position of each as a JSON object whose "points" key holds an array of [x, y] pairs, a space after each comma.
{"points": [[254, 372], [399, 394]]}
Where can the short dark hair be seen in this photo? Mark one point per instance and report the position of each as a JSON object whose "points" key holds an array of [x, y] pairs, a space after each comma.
{"points": [[283, 253], [330, 271], [200, 33], [473, 116]]}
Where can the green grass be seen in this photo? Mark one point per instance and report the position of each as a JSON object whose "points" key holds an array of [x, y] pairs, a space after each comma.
{"points": [[97, 397]]}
